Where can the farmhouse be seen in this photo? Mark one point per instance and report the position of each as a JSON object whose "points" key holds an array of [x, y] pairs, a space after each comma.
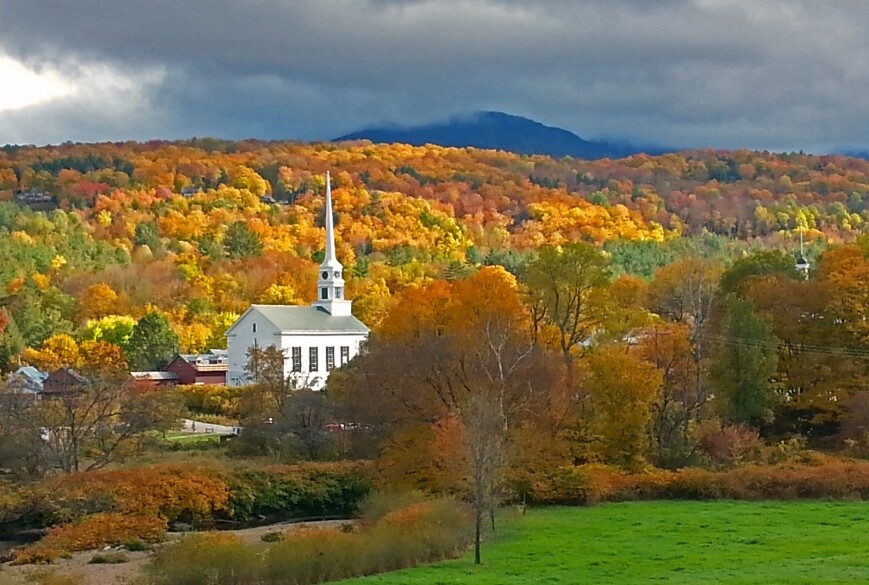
{"points": [[313, 339]]}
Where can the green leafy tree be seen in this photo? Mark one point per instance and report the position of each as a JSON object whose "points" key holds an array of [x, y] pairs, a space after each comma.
{"points": [[147, 235], [11, 342], [744, 364], [759, 264], [565, 287], [241, 241], [152, 343]]}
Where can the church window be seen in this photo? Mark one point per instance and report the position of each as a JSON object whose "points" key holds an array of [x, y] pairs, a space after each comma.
{"points": [[297, 359], [337, 274], [330, 358], [324, 294], [325, 275], [339, 292], [345, 354], [313, 359], [254, 327]]}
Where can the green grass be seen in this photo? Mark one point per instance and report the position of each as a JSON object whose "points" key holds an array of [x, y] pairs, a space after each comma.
{"points": [[734, 543], [188, 438]]}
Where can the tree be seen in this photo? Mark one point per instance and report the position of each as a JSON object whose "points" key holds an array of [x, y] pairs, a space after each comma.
{"points": [[98, 301], [743, 366], [686, 292], [148, 235], [678, 407], [102, 420], [622, 389], [454, 362], [241, 241], [11, 343], [279, 414], [565, 285], [114, 329], [760, 264], [152, 344]]}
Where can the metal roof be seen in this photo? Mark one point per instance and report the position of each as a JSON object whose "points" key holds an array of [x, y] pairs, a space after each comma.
{"points": [[299, 319], [154, 375]]}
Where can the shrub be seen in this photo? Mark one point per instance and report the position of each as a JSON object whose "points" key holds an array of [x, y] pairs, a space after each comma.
{"points": [[53, 578], [419, 533], [205, 559], [306, 491], [378, 504], [81, 506], [730, 445], [93, 532], [207, 399], [272, 537], [136, 545], [109, 558], [825, 478]]}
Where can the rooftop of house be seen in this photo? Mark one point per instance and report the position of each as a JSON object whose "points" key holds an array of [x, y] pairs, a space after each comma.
{"points": [[154, 376], [214, 360], [32, 373]]}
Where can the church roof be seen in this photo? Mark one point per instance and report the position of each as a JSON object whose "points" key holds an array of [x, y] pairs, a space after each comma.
{"points": [[288, 318]]}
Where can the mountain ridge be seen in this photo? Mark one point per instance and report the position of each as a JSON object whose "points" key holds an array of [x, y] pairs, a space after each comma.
{"points": [[499, 131]]}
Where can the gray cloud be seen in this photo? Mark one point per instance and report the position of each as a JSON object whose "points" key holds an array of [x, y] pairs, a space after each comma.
{"points": [[777, 74]]}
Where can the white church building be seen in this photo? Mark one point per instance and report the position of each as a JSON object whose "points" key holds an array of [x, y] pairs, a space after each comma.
{"points": [[314, 339]]}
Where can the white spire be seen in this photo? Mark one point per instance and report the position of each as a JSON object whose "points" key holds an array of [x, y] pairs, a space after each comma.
{"points": [[330, 257], [330, 285]]}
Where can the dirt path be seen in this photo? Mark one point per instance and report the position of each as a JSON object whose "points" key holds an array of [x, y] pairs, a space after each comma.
{"points": [[89, 574]]}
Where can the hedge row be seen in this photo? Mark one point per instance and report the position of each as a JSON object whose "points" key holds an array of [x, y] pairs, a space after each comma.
{"points": [[592, 484], [201, 496]]}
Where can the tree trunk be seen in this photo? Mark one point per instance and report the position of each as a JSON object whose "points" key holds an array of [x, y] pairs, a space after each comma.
{"points": [[478, 521]]}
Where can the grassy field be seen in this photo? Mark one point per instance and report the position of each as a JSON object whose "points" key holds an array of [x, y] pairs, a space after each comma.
{"points": [[736, 543]]}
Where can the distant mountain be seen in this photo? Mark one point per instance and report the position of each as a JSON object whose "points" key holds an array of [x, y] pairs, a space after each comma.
{"points": [[496, 130]]}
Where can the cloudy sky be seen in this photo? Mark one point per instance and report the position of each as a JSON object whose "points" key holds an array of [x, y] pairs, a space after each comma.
{"points": [[768, 74]]}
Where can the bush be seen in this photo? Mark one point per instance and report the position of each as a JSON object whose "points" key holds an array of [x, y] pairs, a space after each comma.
{"points": [[730, 445], [93, 532], [306, 491], [90, 510], [826, 478], [422, 532], [378, 504], [205, 559], [272, 537], [137, 545], [208, 399], [53, 578], [109, 558]]}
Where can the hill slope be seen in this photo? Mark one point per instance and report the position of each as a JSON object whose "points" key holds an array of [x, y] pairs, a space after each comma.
{"points": [[499, 131]]}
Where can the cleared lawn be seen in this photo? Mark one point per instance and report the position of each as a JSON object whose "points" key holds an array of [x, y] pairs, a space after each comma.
{"points": [[738, 543]]}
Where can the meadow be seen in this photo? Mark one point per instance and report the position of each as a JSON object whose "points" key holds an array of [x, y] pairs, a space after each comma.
{"points": [[721, 542]]}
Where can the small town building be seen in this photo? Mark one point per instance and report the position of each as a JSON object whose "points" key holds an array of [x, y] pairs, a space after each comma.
{"points": [[154, 378], [28, 379], [314, 339], [206, 368], [62, 381]]}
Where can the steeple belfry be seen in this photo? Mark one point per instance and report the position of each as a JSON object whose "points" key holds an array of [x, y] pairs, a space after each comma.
{"points": [[330, 285]]}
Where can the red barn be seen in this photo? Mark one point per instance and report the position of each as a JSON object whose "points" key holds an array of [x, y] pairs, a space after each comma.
{"points": [[207, 368]]}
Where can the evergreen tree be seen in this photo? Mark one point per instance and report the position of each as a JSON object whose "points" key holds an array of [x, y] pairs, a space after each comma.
{"points": [[241, 241], [152, 344]]}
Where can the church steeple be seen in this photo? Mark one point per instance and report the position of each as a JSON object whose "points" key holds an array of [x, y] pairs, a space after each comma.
{"points": [[330, 286]]}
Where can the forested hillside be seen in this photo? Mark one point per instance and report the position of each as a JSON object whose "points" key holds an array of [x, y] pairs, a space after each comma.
{"points": [[93, 237]]}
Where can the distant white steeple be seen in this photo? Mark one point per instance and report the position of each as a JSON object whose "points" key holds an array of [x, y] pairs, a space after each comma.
{"points": [[330, 286]]}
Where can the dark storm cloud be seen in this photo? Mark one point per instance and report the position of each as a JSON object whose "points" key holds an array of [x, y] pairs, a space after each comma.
{"points": [[761, 73]]}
